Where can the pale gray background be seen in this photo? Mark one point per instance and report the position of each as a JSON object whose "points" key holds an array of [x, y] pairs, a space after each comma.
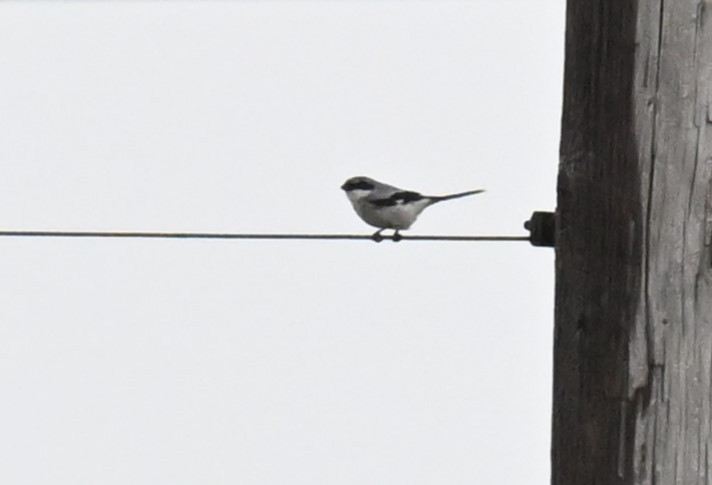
{"points": [[224, 362]]}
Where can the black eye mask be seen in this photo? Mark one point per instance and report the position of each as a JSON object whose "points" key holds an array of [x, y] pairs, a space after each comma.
{"points": [[360, 185]]}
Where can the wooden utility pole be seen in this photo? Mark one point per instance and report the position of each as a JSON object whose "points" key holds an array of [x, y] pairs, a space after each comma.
{"points": [[633, 333]]}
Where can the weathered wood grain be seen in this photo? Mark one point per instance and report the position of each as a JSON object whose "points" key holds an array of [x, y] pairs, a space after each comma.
{"points": [[633, 332]]}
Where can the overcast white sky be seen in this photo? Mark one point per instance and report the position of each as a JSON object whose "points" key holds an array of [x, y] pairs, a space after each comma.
{"points": [[275, 362]]}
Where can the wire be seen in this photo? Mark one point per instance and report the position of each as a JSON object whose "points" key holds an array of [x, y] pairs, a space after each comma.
{"points": [[205, 235]]}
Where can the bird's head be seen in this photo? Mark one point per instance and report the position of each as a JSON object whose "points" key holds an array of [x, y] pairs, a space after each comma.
{"points": [[357, 187]]}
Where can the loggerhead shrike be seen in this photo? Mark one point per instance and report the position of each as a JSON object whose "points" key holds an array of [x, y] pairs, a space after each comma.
{"points": [[387, 207]]}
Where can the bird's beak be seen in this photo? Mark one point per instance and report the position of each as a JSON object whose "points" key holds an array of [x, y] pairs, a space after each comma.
{"points": [[343, 187]]}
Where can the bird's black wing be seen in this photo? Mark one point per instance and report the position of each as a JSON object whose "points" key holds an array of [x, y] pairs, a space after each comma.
{"points": [[402, 197]]}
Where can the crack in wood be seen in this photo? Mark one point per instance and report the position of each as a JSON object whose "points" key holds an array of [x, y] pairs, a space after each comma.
{"points": [[707, 220]]}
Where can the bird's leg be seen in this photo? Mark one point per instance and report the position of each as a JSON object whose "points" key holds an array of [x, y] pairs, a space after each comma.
{"points": [[377, 236], [397, 236]]}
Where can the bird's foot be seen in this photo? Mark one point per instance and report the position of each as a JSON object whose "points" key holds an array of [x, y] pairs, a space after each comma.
{"points": [[377, 236], [397, 236]]}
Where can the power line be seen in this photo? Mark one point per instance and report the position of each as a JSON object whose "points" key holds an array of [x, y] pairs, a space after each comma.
{"points": [[209, 235], [541, 226]]}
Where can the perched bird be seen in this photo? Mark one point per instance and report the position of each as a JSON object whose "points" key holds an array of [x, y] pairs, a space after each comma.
{"points": [[387, 207]]}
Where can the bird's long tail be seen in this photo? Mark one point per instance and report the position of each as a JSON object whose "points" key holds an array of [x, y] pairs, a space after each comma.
{"points": [[441, 198]]}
